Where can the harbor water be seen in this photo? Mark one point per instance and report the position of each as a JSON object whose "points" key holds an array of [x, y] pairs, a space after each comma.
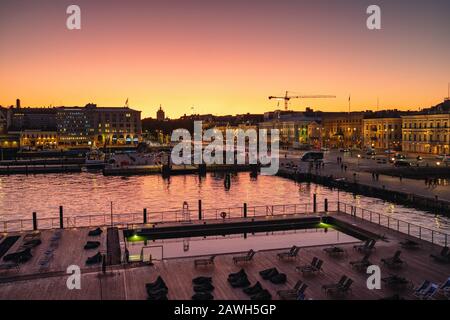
{"points": [[86, 193]]}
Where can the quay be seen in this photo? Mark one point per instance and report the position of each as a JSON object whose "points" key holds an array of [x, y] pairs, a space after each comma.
{"points": [[36, 169], [405, 191], [122, 280], [177, 169]]}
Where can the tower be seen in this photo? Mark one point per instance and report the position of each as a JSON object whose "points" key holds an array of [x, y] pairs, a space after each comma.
{"points": [[160, 115]]}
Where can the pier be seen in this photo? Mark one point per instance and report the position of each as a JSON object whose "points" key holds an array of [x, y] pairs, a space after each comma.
{"points": [[124, 280]]}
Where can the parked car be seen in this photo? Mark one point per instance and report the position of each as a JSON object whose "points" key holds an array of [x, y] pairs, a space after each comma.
{"points": [[402, 163]]}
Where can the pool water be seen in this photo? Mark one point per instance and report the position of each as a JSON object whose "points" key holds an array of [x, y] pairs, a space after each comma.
{"points": [[199, 246]]}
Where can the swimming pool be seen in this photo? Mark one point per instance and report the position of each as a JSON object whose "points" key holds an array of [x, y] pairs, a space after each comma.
{"points": [[140, 247]]}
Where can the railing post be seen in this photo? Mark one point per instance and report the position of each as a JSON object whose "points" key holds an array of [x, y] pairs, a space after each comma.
{"points": [[432, 236], [245, 210], [35, 225], [389, 222], [61, 217], [339, 207], [145, 216], [199, 209], [326, 205], [398, 225], [409, 226], [420, 232], [314, 203]]}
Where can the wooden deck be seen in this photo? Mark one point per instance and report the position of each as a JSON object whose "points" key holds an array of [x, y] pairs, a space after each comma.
{"points": [[128, 282]]}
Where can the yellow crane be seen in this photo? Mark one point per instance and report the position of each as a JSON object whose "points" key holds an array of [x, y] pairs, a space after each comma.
{"points": [[287, 97]]}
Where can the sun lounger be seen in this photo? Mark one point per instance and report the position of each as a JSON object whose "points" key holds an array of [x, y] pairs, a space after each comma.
{"points": [[409, 244], [247, 258], [238, 279], [291, 254], [279, 278], [341, 282], [8, 266], [293, 293], [315, 266], [335, 251], [268, 273], [367, 247], [30, 244], [361, 264], [97, 258], [443, 256], [204, 287], [430, 292], [262, 295], [21, 256], [394, 261], [200, 280], [236, 275], [96, 232], [204, 262], [32, 236], [91, 245], [202, 296], [256, 288], [341, 289], [397, 282], [445, 286], [421, 289]]}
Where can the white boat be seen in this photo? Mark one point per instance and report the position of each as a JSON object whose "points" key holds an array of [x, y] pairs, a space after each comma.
{"points": [[95, 159], [136, 159]]}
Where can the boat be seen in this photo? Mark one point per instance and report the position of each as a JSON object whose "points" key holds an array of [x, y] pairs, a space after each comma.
{"points": [[95, 159]]}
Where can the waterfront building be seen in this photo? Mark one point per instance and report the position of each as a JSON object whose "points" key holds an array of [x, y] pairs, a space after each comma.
{"points": [[39, 139], [20, 119], [74, 126], [300, 133], [383, 132], [343, 129], [3, 120], [428, 131], [9, 141], [114, 125]]}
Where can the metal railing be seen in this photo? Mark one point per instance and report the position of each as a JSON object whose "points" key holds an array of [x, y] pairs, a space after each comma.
{"points": [[136, 219], [391, 223], [127, 220]]}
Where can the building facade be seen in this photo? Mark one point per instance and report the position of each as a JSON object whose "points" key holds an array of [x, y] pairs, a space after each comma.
{"points": [[303, 134], [343, 129], [383, 133], [74, 126], [3, 120], [426, 133]]}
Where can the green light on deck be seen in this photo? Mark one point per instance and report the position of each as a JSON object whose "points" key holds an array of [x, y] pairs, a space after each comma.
{"points": [[325, 225], [135, 238]]}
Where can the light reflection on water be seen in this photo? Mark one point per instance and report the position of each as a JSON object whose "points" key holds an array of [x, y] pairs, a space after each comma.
{"points": [[92, 193]]}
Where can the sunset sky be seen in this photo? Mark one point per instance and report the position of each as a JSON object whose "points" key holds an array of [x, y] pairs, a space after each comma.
{"points": [[224, 57]]}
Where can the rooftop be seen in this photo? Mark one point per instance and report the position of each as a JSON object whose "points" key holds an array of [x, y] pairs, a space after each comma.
{"points": [[128, 281]]}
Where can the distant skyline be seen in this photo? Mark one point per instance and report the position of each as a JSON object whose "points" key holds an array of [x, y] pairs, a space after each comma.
{"points": [[224, 57]]}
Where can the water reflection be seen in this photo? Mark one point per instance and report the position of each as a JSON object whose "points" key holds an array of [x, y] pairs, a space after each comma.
{"points": [[91, 193]]}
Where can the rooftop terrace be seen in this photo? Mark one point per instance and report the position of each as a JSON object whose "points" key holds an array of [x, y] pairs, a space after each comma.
{"points": [[127, 281]]}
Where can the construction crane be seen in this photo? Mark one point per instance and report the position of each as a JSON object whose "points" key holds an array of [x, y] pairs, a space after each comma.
{"points": [[287, 97]]}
